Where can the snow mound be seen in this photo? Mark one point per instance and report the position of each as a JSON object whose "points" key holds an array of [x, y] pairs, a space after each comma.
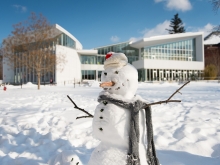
{"points": [[67, 157], [29, 84]]}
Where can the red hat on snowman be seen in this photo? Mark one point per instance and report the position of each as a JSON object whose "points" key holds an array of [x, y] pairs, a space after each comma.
{"points": [[113, 59]]}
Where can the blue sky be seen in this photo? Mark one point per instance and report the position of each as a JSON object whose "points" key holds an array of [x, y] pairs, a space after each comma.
{"points": [[103, 22]]}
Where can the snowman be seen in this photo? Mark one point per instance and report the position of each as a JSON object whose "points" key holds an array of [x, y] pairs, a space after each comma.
{"points": [[122, 120]]}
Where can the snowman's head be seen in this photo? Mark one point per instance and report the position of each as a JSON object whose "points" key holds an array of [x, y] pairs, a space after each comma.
{"points": [[119, 77]]}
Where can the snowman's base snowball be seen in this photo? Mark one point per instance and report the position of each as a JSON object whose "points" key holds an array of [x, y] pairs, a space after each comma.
{"points": [[107, 155], [65, 158]]}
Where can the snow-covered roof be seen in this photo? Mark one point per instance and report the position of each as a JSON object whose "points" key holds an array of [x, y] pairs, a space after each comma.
{"points": [[212, 39]]}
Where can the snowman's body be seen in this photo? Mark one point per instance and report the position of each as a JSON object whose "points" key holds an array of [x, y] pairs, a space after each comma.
{"points": [[114, 135], [111, 123]]}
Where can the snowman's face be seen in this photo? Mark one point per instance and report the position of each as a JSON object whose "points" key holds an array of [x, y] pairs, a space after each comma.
{"points": [[125, 80]]}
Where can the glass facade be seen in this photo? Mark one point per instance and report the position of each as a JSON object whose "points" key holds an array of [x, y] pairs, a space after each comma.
{"points": [[88, 74], [87, 59], [91, 59], [131, 53], [180, 50], [23, 75], [168, 75], [65, 40]]}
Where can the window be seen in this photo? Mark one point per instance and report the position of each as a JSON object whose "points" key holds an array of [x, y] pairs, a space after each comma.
{"points": [[88, 74], [171, 51], [131, 53]]}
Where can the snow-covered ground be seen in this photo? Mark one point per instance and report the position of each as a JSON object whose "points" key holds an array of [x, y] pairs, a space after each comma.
{"points": [[38, 126]]}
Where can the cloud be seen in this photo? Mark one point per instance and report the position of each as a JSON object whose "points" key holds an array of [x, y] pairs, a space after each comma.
{"points": [[114, 38], [20, 8], [157, 1], [182, 5], [207, 29], [158, 30], [133, 39]]}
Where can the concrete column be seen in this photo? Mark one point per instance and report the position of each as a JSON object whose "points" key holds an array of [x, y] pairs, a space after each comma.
{"points": [[167, 75], [173, 74], [190, 74], [96, 75], [179, 74], [160, 75], [184, 75], [146, 70], [154, 74]]}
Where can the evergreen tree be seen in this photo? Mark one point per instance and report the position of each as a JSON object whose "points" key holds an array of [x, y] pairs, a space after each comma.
{"points": [[176, 25]]}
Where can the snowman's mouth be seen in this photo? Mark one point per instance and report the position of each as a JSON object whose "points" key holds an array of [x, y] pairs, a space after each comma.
{"points": [[107, 84]]}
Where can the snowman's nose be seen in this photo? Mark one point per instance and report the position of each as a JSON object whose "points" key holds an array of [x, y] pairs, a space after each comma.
{"points": [[107, 84]]}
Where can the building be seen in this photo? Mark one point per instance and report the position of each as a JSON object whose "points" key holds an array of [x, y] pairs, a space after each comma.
{"points": [[166, 57], [212, 50], [66, 44], [159, 58]]}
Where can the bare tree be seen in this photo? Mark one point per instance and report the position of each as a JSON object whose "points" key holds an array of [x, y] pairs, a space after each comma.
{"points": [[215, 7], [31, 47], [215, 4]]}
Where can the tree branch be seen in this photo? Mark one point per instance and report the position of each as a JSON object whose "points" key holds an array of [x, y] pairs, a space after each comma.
{"points": [[178, 90], [168, 100], [159, 102], [75, 106]]}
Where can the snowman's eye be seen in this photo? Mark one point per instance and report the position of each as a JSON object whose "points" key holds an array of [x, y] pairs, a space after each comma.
{"points": [[105, 73], [116, 72]]}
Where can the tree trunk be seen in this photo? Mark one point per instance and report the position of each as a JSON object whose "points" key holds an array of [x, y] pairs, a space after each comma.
{"points": [[38, 81]]}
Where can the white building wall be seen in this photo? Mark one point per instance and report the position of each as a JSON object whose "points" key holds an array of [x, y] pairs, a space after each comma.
{"points": [[168, 64], [72, 68], [92, 67], [199, 48]]}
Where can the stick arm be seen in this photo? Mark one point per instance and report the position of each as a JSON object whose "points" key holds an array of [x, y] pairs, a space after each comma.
{"points": [[76, 107], [169, 99]]}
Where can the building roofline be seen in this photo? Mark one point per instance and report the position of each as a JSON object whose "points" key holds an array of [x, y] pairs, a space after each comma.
{"points": [[170, 37], [78, 44], [138, 43], [88, 52], [212, 33], [112, 44]]}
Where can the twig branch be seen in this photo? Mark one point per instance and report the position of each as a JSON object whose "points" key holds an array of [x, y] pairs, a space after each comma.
{"points": [[178, 90], [75, 106], [168, 100], [161, 102]]}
